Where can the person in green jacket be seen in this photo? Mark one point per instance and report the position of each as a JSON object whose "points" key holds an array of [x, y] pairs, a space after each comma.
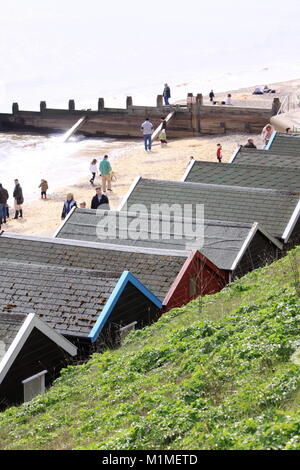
{"points": [[105, 172]]}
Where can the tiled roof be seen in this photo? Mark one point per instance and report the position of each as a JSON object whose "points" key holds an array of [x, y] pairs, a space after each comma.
{"points": [[285, 143], [222, 239], [156, 271], [9, 327], [271, 208], [69, 300], [244, 175], [267, 158]]}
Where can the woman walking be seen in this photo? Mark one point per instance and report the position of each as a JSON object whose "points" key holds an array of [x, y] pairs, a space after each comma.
{"points": [[68, 205], [19, 200]]}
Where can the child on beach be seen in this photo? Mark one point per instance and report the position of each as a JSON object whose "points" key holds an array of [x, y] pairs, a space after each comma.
{"points": [[93, 170], [219, 152], [44, 186], [266, 133], [163, 137]]}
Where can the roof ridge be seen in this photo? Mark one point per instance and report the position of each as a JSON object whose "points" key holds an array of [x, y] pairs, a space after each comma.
{"points": [[223, 187], [97, 246], [248, 166]]}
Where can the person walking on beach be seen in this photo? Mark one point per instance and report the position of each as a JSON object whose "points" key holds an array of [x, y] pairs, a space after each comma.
{"points": [[211, 96], [44, 187], [93, 170], [163, 138], [3, 202], [219, 153], [163, 123], [147, 128], [68, 205], [167, 94], [105, 172], [100, 200], [266, 133], [19, 199]]}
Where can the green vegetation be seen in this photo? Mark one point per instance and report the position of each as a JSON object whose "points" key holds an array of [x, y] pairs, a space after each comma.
{"points": [[223, 376]]}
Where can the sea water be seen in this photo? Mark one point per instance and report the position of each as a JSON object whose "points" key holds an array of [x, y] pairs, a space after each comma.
{"points": [[30, 158]]}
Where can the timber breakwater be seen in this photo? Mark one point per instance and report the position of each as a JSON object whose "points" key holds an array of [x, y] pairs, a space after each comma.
{"points": [[192, 119]]}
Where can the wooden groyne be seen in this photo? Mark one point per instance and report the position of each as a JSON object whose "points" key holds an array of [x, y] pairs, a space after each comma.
{"points": [[192, 119]]}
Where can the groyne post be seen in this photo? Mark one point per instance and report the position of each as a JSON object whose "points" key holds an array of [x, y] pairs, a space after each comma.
{"points": [[193, 104], [71, 105], [159, 101], [128, 102], [100, 104], [43, 106], [199, 98], [275, 106], [15, 108]]}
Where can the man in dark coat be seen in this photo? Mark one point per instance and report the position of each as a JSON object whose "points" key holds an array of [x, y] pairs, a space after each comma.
{"points": [[3, 201], [100, 200], [167, 94], [249, 144], [19, 199]]}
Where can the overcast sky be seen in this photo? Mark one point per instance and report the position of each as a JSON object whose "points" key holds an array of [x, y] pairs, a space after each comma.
{"points": [[46, 41]]}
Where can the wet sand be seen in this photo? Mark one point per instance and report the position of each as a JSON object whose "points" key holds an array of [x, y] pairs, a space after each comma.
{"points": [[42, 217]]}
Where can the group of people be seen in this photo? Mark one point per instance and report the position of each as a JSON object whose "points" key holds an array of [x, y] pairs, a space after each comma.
{"points": [[100, 200], [18, 202], [147, 128], [105, 171], [265, 135], [227, 101], [261, 91]]}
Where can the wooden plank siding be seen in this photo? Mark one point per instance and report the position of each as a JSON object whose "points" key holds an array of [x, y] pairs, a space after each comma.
{"points": [[37, 354]]}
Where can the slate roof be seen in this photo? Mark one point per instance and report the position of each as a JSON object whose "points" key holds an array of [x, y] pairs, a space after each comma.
{"points": [[271, 208], [285, 143], [156, 270], [221, 244], [267, 158], [245, 175], [68, 299], [9, 327]]}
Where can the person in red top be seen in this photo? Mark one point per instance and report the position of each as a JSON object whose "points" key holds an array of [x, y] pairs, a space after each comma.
{"points": [[219, 152]]}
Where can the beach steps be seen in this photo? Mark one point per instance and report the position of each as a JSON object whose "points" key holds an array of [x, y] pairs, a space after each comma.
{"points": [[74, 128], [159, 128]]}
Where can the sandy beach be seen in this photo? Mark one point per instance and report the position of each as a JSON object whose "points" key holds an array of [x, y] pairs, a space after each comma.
{"points": [[42, 217]]}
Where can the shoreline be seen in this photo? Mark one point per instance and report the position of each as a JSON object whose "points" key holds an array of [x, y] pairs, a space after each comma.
{"points": [[42, 217], [129, 160]]}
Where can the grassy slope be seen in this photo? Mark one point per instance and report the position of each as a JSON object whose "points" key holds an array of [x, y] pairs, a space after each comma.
{"points": [[216, 374]]}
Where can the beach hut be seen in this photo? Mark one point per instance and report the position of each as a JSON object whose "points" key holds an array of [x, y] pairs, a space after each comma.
{"points": [[284, 143], [252, 176], [266, 158], [31, 356], [169, 274], [91, 308], [230, 247], [277, 211]]}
